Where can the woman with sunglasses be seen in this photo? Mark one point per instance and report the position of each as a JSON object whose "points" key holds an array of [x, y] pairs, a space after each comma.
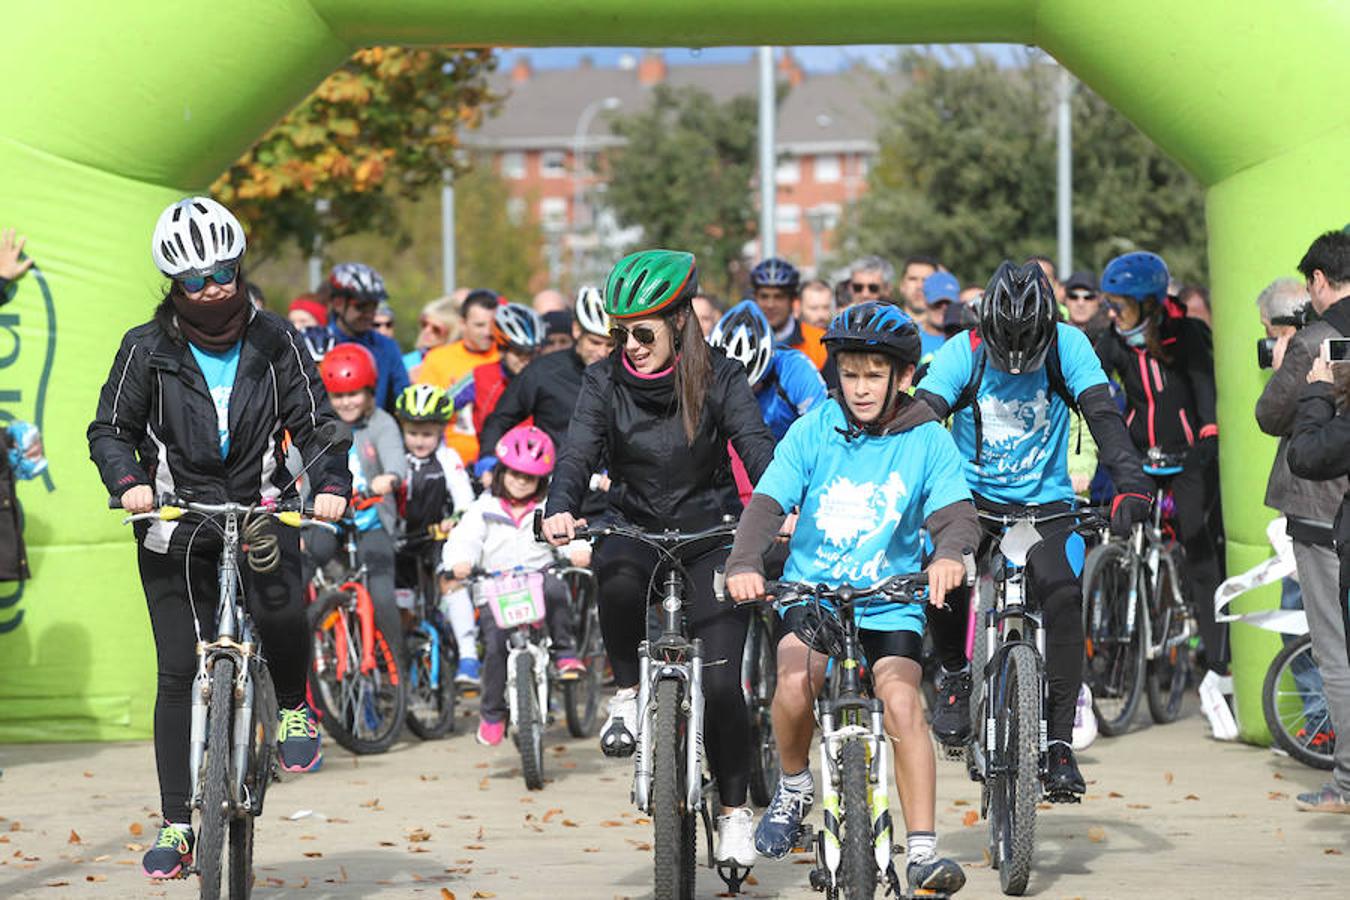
{"points": [[196, 403], [436, 325], [659, 411]]}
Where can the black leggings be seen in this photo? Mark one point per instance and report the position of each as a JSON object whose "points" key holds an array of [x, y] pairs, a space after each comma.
{"points": [[1054, 576], [1193, 497], [624, 569], [277, 609]]}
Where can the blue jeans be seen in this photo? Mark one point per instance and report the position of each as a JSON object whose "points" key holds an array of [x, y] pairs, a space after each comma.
{"points": [[1306, 674]]}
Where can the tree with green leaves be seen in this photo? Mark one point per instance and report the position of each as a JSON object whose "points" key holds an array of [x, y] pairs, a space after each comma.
{"points": [[380, 129], [684, 176], [966, 173]]}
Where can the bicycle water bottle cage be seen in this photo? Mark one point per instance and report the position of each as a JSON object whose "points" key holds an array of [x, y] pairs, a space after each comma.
{"points": [[1018, 541]]}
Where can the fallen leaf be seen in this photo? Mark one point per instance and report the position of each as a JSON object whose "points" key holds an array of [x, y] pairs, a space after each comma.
{"points": [[15, 826], [418, 835], [57, 883], [642, 820], [418, 849], [1045, 806], [483, 894], [136, 829], [74, 837], [750, 879], [1279, 834], [88, 774], [481, 766], [342, 874], [429, 777], [483, 785], [479, 835], [1276, 795], [970, 818], [308, 837], [608, 823], [96, 878], [104, 858], [135, 848], [1331, 851], [1168, 777], [1115, 795], [551, 814], [387, 844], [568, 764], [473, 846], [1190, 797], [1279, 775], [1138, 806], [568, 823], [590, 849], [960, 803], [447, 894], [372, 804], [313, 854], [1096, 834]]}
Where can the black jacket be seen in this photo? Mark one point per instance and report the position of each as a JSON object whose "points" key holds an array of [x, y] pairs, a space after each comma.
{"points": [[156, 422], [13, 556], [660, 479], [1170, 405], [1319, 446], [546, 389]]}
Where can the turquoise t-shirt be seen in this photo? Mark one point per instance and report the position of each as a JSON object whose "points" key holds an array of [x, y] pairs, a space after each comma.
{"points": [[1024, 424], [863, 503], [219, 370]]}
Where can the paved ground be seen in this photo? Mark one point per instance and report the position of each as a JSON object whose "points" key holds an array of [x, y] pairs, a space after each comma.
{"points": [[1170, 814]]}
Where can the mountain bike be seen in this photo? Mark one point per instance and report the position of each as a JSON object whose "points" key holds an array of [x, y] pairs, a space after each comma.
{"points": [[433, 655], [1008, 755], [854, 849], [1136, 620], [357, 678], [232, 742], [759, 678], [581, 696], [668, 775], [515, 600]]}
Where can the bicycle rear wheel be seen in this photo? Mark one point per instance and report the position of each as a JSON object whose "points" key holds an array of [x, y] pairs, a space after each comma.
{"points": [[857, 865], [215, 811], [1113, 665], [1012, 816], [1295, 713], [674, 824], [581, 696], [529, 726], [362, 711], [763, 677], [1169, 671], [431, 685]]}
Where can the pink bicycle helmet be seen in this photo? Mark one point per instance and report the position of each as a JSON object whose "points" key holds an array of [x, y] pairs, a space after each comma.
{"points": [[527, 450]]}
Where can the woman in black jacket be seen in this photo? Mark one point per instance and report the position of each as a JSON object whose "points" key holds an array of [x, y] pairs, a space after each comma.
{"points": [[197, 404], [661, 409], [1166, 366]]}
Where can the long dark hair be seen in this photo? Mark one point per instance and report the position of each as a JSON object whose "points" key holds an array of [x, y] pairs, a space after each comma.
{"points": [[164, 312], [693, 368]]}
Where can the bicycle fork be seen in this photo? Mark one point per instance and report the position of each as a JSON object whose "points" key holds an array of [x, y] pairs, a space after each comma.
{"points": [[539, 655], [832, 743], [691, 673]]}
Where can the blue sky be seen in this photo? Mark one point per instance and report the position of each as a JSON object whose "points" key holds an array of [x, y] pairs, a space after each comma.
{"points": [[815, 59]]}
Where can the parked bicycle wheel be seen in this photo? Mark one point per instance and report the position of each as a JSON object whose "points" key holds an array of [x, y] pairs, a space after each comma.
{"points": [[362, 710], [529, 726], [581, 696], [674, 825], [1012, 816], [761, 678], [857, 865], [1114, 654], [431, 683], [1297, 715], [1169, 671], [215, 811]]}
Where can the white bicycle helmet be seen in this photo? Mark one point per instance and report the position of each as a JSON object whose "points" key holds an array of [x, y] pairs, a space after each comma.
{"points": [[358, 280], [318, 341], [746, 336], [518, 327], [195, 236], [591, 315]]}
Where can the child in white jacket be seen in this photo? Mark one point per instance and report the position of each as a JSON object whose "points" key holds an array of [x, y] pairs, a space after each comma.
{"points": [[496, 534]]}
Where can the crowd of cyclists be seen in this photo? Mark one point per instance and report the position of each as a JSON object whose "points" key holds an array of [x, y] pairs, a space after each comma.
{"points": [[854, 432]]}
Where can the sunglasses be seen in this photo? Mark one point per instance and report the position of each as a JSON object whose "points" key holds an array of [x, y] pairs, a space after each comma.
{"points": [[437, 327], [222, 276], [860, 288], [643, 334], [386, 323], [1082, 295]]}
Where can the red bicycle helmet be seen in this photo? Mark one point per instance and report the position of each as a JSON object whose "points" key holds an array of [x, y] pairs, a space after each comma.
{"points": [[527, 450], [348, 368]]}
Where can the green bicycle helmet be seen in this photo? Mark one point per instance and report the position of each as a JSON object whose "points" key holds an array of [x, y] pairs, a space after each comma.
{"points": [[650, 282], [424, 403]]}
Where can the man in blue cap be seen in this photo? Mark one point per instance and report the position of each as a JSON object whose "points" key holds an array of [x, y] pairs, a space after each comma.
{"points": [[940, 290]]}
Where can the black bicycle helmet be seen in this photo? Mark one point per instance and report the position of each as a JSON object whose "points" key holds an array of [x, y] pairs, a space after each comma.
{"points": [[1017, 317]]}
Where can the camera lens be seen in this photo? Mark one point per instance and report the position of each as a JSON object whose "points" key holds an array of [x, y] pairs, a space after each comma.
{"points": [[1265, 353]]}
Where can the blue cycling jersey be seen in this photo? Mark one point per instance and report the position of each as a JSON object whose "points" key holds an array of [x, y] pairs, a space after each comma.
{"points": [[1025, 424], [790, 388]]}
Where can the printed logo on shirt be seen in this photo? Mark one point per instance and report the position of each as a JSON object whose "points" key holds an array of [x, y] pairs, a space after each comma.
{"points": [[851, 514], [1016, 432]]}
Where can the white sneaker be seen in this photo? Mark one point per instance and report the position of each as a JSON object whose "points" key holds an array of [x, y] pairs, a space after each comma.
{"points": [[1215, 706], [1084, 720], [736, 838]]}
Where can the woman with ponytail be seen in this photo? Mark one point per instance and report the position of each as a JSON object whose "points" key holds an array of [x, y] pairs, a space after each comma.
{"points": [[659, 412]]}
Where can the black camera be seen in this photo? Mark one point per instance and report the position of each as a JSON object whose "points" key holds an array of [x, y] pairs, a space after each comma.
{"points": [[1265, 347]]}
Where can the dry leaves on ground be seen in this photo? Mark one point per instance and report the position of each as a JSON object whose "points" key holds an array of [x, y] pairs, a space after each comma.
{"points": [[1096, 834], [970, 818]]}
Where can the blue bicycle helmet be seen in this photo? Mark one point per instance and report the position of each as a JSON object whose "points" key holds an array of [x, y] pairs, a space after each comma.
{"points": [[746, 336], [318, 340], [874, 327], [775, 272], [1140, 275]]}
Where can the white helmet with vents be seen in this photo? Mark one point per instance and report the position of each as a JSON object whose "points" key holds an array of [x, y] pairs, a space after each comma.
{"points": [[746, 336], [196, 235], [591, 315]]}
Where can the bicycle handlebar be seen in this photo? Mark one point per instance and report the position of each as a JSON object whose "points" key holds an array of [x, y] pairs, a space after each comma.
{"points": [[911, 588], [1091, 516], [170, 508], [667, 538]]}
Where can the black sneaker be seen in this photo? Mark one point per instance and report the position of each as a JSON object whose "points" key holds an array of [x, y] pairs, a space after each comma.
{"points": [[937, 876], [171, 854], [1063, 781], [951, 719]]}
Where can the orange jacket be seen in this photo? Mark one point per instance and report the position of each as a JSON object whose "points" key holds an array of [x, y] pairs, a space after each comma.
{"points": [[806, 338], [450, 366]]}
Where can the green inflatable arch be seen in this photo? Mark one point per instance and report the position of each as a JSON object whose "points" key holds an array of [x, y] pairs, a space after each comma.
{"points": [[112, 110]]}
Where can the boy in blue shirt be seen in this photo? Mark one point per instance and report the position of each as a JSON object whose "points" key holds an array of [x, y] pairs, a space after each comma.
{"points": [[1010, 390], [786, 384], [868, 468]]}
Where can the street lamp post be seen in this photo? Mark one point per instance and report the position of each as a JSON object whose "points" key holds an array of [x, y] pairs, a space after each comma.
{"points": [[588, 113]]}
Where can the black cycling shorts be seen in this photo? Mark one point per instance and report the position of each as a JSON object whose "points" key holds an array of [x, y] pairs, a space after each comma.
{"points": [[877, 645]]}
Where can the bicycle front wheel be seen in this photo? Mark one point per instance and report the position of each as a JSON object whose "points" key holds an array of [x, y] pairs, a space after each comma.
{"points": [[1169, 671], [362, 710], [1295, 710], [529, 726], [1113, 665], [763, 677], [1013, 811], [431, 687], [857, 865], [215, 811], [673, 823]]}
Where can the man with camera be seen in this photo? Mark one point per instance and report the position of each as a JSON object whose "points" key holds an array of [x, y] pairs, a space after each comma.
{"points": [[1299, 333]]}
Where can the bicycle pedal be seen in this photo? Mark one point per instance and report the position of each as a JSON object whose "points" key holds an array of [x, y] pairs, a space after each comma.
{"points": [[733, 875], [806, 840], [820, 880], [955, 753], [1064, 797]]}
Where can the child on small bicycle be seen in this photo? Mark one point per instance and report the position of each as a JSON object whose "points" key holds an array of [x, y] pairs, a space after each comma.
{"points": [[378, 466], [435, 495], [868, 468], [496, 534]]}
